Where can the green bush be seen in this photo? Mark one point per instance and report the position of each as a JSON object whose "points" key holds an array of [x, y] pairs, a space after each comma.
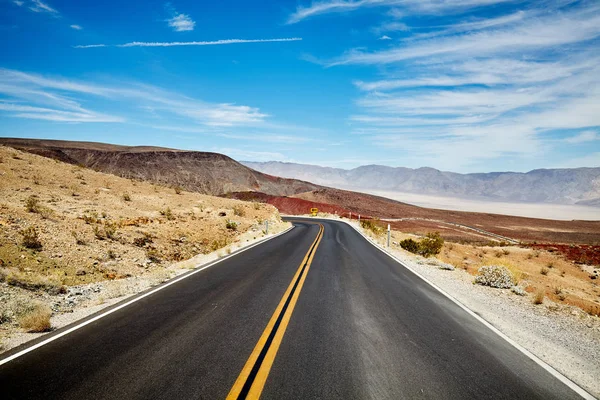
{"points": [[431, 245], [410, 245], [232, 225]]}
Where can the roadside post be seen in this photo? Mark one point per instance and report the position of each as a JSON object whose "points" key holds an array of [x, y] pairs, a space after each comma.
{"points": [[389, 235], [266, 227], [359, 219]]}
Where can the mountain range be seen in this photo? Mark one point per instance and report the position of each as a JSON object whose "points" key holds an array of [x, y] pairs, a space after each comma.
{"points": [[561, 186]]}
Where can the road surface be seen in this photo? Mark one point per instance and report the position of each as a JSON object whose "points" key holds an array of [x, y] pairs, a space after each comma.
{"points": [[315, 313]]}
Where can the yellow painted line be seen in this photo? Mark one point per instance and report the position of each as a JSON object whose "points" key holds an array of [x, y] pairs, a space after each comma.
{"points": [[265, 366]]}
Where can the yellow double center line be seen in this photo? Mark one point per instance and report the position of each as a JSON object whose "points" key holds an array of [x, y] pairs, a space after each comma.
{"points": [[251, 381]]}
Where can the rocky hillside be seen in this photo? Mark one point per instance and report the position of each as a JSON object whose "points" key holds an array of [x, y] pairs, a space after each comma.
{"points": [[561, 186], [208, 173]]}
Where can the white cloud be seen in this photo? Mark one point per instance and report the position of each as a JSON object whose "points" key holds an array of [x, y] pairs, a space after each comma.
{"points": [[532, 35], [18, 2], [422, 6], [385, 37], [89, 46], [76, 27], [181, 23], [58, 97], [207, 43], [40, 6], [583, 137]]}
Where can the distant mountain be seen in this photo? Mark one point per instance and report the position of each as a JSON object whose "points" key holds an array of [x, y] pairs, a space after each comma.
{"points": [[560, 186], [209, 173]]}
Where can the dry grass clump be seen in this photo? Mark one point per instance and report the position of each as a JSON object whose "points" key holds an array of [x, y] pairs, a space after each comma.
{"points": [[37, 319], [31, 239], [239, 211], [126, 196], [373, 225], [538, 297]]}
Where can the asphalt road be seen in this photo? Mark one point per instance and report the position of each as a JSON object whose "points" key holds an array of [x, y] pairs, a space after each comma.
{"points": [[339, 319]]}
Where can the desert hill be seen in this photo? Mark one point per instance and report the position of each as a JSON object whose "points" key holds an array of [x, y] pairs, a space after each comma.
{"points": [[203, 172], [560, 186]]}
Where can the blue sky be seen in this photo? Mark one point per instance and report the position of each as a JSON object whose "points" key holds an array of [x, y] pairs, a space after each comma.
{"points": [[464, 85]]}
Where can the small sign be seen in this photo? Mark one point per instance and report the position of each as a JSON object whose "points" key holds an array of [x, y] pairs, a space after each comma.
{"points": [[314, 211]]}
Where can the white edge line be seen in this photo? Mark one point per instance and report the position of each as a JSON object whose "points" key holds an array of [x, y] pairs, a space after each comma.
{"points": [[112, 310], [575, 387]]}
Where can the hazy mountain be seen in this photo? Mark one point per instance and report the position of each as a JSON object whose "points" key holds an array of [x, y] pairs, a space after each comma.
{"points": [[562, 186], [209, 173]]}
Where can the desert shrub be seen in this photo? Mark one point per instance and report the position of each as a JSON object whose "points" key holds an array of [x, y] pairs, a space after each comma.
{"points": [[111, 254], [110, 230], [32, 204], [431, 245], [518, 290], [231, 225], [98, 233], [31, 239], [153, 255], [372, 225], [544, 271], [410, 245], [538, 298], [144, 240], [91, 217], [495, 276], [256, 205], [168, 214], [37, 319], [178, 189], [239, 211], [126, 196], [78, 239]]}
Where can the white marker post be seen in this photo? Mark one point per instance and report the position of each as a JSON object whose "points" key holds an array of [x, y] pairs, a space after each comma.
{"points": [[389, 235], [359, 218], [266, 227]]}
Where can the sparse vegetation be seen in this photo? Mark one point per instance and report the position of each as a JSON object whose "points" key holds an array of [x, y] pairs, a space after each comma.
{"points": [[231, 225], [544, 271], [78, 238], [32, 204], [538, 297], [178, 189], [31, 239], [126, 196], [372, 225], [168, 214], [239, 211], [37, 319]]}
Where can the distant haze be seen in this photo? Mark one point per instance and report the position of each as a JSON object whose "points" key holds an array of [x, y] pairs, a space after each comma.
{"points": [[577, 186]]}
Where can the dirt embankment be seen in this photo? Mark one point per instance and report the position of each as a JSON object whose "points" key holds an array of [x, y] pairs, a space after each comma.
{"points": [[63, 228]]}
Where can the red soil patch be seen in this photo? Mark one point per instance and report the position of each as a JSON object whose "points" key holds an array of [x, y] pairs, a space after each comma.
{"points": [[579, 254], [289, 205]]}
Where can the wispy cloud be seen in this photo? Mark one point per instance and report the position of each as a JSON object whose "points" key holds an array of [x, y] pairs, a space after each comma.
{"points": [[18, 2], [423, 6], [584, 137], [76, 27], [203, 43], [89, 46], [482, 89], [206, 43], [40, 6], [385, 37], [38, 97]]}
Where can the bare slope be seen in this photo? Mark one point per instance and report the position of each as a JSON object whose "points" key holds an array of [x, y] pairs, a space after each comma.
{"points": [[209, 173], [560, 186]]}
